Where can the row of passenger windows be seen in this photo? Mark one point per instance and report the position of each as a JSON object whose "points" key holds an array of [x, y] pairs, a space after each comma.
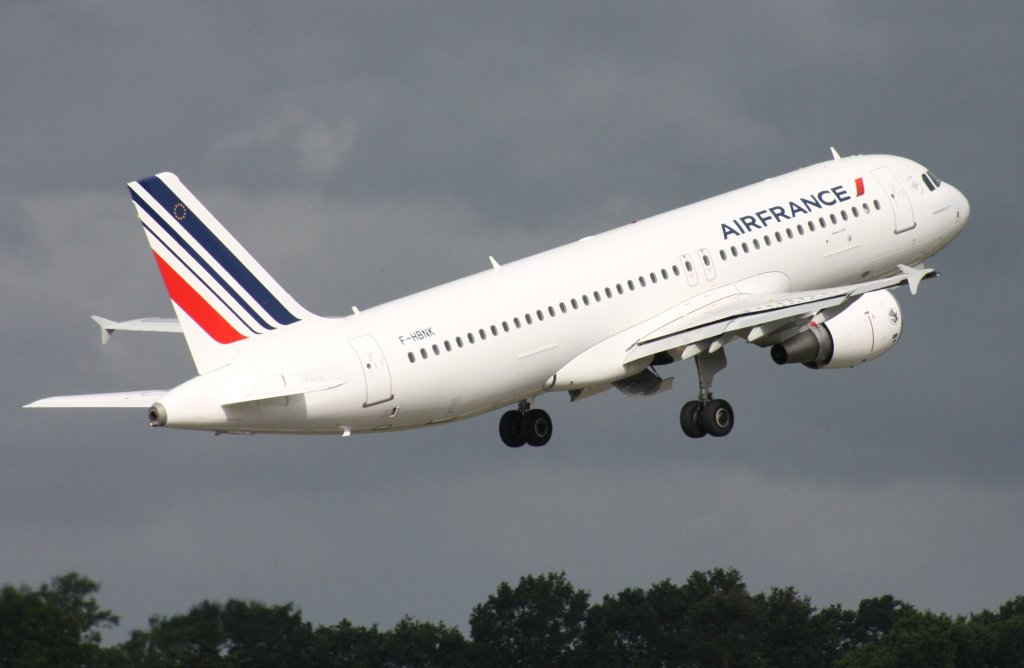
{"points": [[574, 304], [822, 223]]}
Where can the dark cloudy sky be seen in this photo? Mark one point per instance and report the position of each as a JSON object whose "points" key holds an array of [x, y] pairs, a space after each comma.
{"points": [[366, 152]]}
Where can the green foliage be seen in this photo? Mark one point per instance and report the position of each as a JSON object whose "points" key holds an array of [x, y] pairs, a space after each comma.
{"points": [[540, 622], [57, 625], [711, 620]]}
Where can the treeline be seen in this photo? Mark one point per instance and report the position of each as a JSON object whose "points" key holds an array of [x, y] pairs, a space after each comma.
{"points": [[710, 620]]}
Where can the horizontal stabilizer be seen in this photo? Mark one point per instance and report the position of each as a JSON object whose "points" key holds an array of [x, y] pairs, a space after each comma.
{"points": [[281, 390], [137, 399], [108, 327]]}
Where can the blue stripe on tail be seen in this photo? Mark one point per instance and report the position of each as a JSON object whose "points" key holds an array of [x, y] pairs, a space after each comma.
{"points": [[216, 248], [199, 260]]}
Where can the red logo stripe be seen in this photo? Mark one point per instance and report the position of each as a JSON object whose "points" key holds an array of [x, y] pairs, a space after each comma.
{"points": [[198, 309], [860, 186]]}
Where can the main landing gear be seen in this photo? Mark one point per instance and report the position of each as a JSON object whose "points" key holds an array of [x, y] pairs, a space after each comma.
{"points": [[525, 425], [707, 415]]}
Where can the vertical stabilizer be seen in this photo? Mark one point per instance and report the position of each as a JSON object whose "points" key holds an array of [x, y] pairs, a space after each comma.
{"points": [[222, 296]]}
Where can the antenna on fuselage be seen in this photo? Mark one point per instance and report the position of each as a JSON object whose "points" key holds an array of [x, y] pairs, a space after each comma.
{"points": [[835, 153]]}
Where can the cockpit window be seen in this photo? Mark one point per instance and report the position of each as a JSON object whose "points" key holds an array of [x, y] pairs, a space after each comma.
{"points": [[934, 178], [930, 180]]}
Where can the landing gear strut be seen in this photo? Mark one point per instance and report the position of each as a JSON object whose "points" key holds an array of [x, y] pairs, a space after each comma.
{"points": [[707, 415], [525, 426]]}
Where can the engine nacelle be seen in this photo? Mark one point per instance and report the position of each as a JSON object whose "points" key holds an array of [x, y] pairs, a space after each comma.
{"points": [[861, 332]]}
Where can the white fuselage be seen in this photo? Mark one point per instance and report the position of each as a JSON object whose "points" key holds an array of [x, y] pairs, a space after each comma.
{"points": [[503, 335]]}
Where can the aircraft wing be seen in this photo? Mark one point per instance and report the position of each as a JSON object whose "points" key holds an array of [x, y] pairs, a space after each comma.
{"points": [[137, 399], [108, 327], [759, 318]]}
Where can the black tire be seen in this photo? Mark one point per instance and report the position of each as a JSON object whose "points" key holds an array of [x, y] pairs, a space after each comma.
{"points": [[537, 427], [717, 417], [690, 420], [510, 428]]}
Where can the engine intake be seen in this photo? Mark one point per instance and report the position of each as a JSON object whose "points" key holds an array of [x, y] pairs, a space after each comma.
{"points": [[864, 330]]}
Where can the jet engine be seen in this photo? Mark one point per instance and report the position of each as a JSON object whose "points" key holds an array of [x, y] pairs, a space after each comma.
{"points": [[861, 332]]}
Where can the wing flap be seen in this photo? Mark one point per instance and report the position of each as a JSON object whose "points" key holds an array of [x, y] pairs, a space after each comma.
{"points": [[136, 399]]}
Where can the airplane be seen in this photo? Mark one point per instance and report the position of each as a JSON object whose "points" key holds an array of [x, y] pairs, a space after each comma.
{"points": [[802, 264]]}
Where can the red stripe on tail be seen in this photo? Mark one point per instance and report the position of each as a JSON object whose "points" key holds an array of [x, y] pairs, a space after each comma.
{"points": [[198, 309]]}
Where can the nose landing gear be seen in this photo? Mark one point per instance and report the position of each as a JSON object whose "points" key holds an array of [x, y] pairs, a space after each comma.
{"points": [[525, 426], [707, 415]]}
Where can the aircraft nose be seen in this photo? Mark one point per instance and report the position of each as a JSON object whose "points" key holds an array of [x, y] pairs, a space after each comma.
{"points": [[961, 206]]}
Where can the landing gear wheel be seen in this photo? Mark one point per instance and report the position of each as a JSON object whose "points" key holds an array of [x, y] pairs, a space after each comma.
{"points": [[536, 427], [690, 420], [510, 428], [717, 417]]}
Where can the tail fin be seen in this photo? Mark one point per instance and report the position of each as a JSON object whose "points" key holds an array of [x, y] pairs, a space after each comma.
{"points": [[221, 294]]}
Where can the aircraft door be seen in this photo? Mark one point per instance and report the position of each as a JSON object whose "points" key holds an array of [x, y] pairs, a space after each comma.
{"points": [[375, 370], [690, 268], [903, 213], [708, 263]]}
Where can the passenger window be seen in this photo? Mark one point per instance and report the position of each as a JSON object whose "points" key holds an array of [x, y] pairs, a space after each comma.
{"points": [[878, 207], [843, 214], [722, 254], [618, 287], [597, 296], [608, 293], [778, 236], [800, 229], [458, 341], [707, 260], [412, 358], [767, 240], [735, 253], [448, 346], [494, 330], [423, 353], [643, 283], [515, 321], [469, 337], [630, 284], [789, 232], [675, 269], [437, 351], [504, 326], [529, 320], [575, 304], [586, 301], [746, 249], [561, 305], [810, 225], [551, 311], [821, 222], [856, 212], [832, 217], [540, 315], [757, 245]]}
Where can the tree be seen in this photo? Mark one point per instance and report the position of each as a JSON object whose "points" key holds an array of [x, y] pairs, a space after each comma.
{"points": [[57, 625], [238, 633], [423, 644], [916, 640], [724, 622], [539, 623]]}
